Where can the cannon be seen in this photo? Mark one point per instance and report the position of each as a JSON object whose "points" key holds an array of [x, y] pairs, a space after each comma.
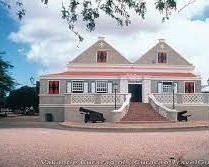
{"points": [[183, 116], [92, 116]]}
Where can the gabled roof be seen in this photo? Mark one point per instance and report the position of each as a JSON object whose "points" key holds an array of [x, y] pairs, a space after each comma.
{"points": [[89, 55], [173, 58]]}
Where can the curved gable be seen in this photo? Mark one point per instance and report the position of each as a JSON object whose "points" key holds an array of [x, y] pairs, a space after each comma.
{"points": [[172, 57], [89, 56]]}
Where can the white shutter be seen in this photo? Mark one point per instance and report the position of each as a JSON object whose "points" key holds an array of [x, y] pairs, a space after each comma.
{"points": [[109, 87], [175, 87], [159, 87], [68, 87], [85, 87], [93, 87]]}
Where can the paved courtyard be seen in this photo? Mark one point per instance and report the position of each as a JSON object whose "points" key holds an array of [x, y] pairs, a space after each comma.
{"points": [[35, 147]]}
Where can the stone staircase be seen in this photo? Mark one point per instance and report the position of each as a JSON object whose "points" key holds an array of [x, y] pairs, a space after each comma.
{"points": [[142, 113]]}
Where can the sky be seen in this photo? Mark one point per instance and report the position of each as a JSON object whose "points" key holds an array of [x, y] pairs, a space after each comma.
{"points": [[41, 42]]}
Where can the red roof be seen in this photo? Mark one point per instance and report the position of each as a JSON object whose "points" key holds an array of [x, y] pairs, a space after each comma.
{"points": [[167, 74]]}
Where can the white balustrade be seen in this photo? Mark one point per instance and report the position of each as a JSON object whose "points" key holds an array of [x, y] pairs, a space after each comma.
{"points": [[110, 98], [118, 114], [82, 99], [181, 98], [193, 99], [170, 114], [166, 98]]}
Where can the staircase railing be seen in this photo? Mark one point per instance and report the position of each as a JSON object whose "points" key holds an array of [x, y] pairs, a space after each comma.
{"points": [[118, 114], [170, 114]]}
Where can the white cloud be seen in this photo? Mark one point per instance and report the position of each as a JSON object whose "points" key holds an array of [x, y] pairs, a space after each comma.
{"points": [[53, 45]]}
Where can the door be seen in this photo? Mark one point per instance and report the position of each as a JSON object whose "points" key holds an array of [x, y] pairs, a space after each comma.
{"points": [[136, 92]]}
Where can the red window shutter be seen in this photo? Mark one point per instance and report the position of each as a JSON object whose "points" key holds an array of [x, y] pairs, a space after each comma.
{"points": [[98, 57], [162, 57], [50, 87], [101, 56], [186, 87], [57, 87], [53, 87], [192, 87], [159, 57], [189, 87]]}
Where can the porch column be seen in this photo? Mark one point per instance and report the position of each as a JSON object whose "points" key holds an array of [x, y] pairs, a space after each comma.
{"points": [[146, 90], [123, 85]]}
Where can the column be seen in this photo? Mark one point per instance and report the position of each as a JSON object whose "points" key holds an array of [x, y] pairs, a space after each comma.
{"points": [[146, 90]]}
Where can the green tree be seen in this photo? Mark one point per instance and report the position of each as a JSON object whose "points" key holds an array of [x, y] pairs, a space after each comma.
{"points": [[89, 10], [6, 81], [23, 97]]}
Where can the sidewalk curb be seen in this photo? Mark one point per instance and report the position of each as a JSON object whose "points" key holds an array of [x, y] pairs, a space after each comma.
{"points": [[134, 129]]}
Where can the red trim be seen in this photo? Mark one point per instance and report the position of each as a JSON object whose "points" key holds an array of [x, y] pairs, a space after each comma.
{"points": [[91, 73]]}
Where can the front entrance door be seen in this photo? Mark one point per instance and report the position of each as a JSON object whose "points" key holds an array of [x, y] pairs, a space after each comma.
{"points": [[136, 92]]}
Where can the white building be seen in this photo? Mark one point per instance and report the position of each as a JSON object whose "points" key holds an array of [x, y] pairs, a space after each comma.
{"points": [[91, 77]]}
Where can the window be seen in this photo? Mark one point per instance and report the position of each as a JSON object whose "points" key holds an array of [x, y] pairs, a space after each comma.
{"points": [[101, 87], [189, 87], [167, 87], [162, 57], [77, 86], [101, 56], [53, 87]]}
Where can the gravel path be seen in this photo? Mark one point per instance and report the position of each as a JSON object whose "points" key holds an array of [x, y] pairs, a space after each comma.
{"points": [[38, 147]]}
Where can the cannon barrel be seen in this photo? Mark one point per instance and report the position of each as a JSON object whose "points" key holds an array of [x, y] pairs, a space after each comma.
{"points": [[91, 115], [81, 109], [182, 112]]}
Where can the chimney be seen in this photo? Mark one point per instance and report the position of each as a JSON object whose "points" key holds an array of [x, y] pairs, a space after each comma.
{"points": [[101, 38], [161, 40], [208, 81]]}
